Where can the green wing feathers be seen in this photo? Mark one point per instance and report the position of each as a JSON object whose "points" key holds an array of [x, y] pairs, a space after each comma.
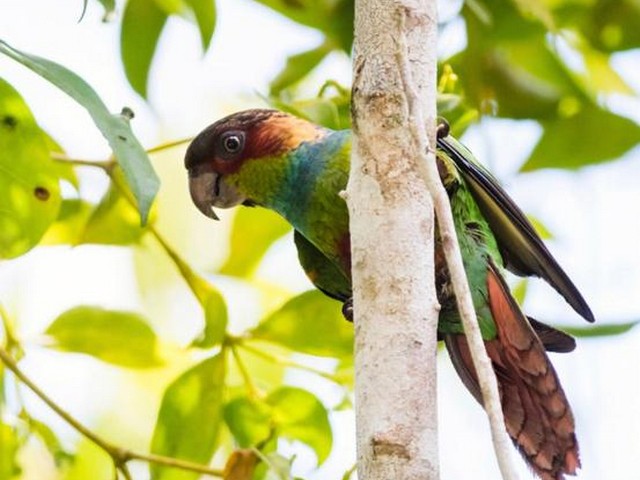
{"points": [[522, 250]]}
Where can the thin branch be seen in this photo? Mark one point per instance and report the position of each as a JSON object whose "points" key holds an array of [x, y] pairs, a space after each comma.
{"points": [[120, 456], [428, 171], [172, 462], [168, 145]]}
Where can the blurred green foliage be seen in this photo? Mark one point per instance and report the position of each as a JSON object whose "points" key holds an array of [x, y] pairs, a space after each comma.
{"points": [[515, 63]]}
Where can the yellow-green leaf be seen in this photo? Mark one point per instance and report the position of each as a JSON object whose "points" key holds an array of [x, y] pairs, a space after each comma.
{"points": [[205, 13], [601, 330], [298, 415], [9, 446], [540, 228], [29, 187], [287, 412], [519, 291], [298, 66], [117, 337], [215, 320], [593, 135], [70, 224], [189, 418], [113, 222], [310, 323], [249, 421], [142, 24], [254, 231]]}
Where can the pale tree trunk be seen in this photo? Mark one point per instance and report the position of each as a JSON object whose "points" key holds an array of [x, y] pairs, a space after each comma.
{"points": [[392, 232], [392, 181]]}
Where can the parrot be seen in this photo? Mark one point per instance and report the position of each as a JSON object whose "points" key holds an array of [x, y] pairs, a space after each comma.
{"points": [[275, 160]]}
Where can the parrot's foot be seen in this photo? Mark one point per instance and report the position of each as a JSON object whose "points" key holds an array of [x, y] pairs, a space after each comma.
{"points": [[347, 309], [443, 129]]}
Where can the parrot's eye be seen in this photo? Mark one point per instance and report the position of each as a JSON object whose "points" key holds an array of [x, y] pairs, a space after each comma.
{"points": [[232, 142]]}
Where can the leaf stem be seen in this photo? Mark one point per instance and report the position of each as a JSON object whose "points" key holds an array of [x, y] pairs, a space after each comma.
{"points": [[285, 362], [248, 381], [120, 456]]}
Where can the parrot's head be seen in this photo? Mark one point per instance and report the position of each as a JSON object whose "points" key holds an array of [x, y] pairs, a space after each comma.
{"points": [[219, 155]]}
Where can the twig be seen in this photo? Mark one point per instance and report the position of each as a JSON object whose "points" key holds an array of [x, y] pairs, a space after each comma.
{"points": [[168, 145], [120, 456], [429, 173]]}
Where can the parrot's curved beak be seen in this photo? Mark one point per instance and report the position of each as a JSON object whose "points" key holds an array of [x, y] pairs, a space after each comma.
{"points": [[209, 190]]}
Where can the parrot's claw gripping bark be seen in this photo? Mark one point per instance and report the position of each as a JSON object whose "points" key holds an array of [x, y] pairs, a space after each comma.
{"points": [[443, 128], [347, 309]]}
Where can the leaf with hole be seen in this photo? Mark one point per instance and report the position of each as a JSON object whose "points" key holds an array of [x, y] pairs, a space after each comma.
{"points": [[116, 129], [29, 179]]}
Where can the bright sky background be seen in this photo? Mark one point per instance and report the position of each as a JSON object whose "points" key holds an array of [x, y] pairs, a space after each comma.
{"points": [[594, 215]]}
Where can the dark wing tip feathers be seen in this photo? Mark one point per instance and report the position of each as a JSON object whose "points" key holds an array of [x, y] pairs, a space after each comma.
{"points": [[547, 267]]}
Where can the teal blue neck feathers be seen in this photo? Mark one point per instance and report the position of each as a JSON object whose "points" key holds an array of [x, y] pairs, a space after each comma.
{"points": [[302, 197]]}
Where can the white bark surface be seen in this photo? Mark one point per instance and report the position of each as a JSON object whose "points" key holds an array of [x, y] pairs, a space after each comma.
{"points": [[391, 214], [481, 361]]}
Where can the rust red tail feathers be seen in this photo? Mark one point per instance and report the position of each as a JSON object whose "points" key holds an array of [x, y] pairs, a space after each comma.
{"points": [[537, 414]]}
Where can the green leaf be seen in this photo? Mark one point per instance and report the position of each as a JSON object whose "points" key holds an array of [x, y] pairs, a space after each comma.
{"points": [[142, 24], [205, 13], [309, 323], [215, 320], [130, 155], [117, 337], [254, 231], [536, 9], [331, 108], [601, 330], [9, 446], [70, 224], [609, 25], [519, 291], [50, 440], [593, 135], [540, 228], [29, 187], [249, 421], [189, 418], [312, 13], [171, 7], [288, 412], [108, 5], [113, 222], [601, 77], [299, 415], [298, 66]]}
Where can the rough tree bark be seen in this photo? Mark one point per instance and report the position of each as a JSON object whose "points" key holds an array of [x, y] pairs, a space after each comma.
{"points": [[391, 214]]}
